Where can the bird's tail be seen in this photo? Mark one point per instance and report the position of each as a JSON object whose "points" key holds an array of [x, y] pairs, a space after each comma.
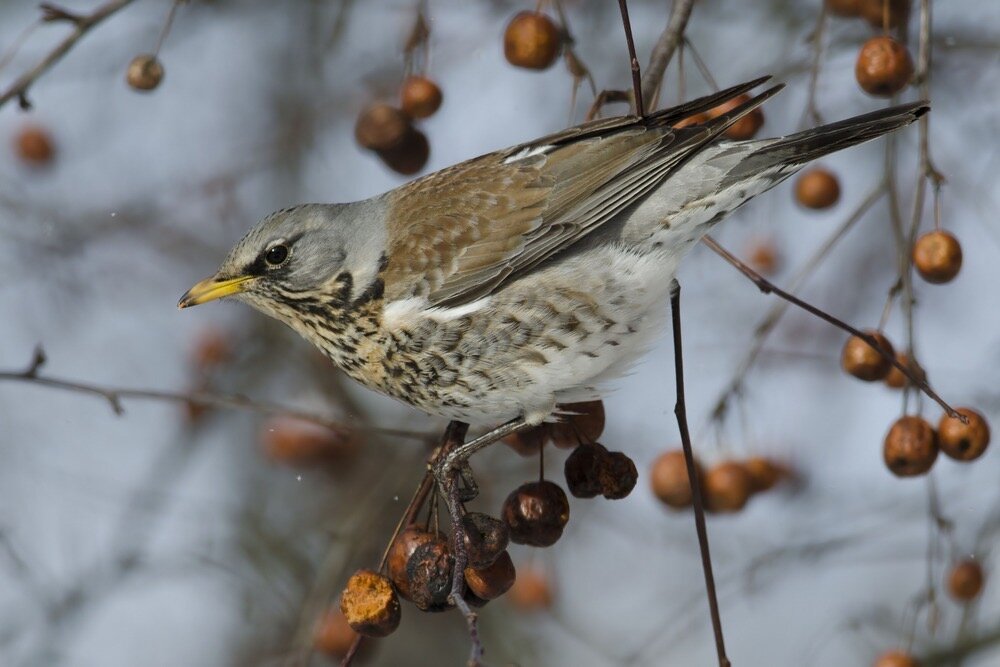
{"points": [[795, 150]]}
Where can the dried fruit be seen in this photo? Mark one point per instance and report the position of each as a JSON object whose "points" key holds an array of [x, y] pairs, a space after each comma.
{"points": [[400, 551], [144, 73], [333, 635], [410, 155], [583, 422], [211, 349], [370, 604], [583, 470], [532, 40], [863, 361], [492, 581], [747, 126], [536, 513], [844, 7], [937, 256], [874, 11], [896, 659], [884, 67], [669, 479], [910, 447], [618, 476], [298, 442], [764, 258], [817, 188], [34, 145], [420, 97], [964, 442], [486, 538], [728, 487], [896, 379], [531, 590], [529, 441], [965, 581], [381, 127], [428, 573], [764, 473]]}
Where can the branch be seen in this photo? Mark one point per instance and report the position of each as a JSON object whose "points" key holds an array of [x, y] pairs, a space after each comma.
{"points": [[767, 287], [668, 42], [82, 25], [115, 395]]}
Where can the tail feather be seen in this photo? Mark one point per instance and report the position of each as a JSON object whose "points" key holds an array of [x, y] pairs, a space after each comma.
{"points": [[798, 149]]}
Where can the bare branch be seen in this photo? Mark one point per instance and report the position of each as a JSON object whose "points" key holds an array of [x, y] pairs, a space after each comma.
{"points": [[668, 42], [82, 25]]}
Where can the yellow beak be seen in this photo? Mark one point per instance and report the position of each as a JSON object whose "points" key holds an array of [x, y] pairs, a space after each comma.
{"points": [[211, 289]]}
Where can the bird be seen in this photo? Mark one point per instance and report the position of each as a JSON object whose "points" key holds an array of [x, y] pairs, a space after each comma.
{"points": [[505, 286]]}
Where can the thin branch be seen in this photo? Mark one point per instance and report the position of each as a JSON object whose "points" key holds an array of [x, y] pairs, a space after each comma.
{"points": [[680, 410], [82, 24], [640, 108], [664, 49], [115, 395], [767, 287], [774, 315]]}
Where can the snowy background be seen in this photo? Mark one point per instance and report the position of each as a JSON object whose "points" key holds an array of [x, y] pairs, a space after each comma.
{"points": [[146, 539]]}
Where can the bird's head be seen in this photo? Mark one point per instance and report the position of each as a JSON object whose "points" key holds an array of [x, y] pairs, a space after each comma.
{"points": [[291, 257]]}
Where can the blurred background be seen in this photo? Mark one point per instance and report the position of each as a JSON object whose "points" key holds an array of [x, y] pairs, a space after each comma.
{"points": [[204, 533]]}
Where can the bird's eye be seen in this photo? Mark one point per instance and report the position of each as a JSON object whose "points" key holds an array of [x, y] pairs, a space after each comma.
{"points": [[276, 255]]}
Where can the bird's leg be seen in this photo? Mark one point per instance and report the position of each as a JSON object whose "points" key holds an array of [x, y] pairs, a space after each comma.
{"points": [[449, 470]]}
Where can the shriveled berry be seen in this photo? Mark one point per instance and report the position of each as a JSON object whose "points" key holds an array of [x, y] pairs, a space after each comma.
{"points": [[144, 73], [532, 40], [536, 513], [492, 581], [910, 447], [486, 538], [531, 590], [884, 67], [529, 441], [764, 473], [400, 551], [896, 659], [964, 442], [937, 256], [583, 470], [817, 188], [896, 379], [297, 442], [410, 155], [696, 119], [747, 126], [874, 11], [863, 361], [211, 349], [333, 635], [965, 581], [381, 127], [582, 422], [618, 476], [728, 487], [669, 479], [370, 604], [420, 97], [428, 572], [34, 145]]}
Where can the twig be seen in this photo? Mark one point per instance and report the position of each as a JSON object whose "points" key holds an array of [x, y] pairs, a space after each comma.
{"points": [[640, 109], [774, 315], [812, 110], [664, 49], [115, 395], [680, 410], [81, 26], [767, 287]]}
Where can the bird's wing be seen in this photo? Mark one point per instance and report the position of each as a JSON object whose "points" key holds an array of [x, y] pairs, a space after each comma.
{"points": [[456, 235]]}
